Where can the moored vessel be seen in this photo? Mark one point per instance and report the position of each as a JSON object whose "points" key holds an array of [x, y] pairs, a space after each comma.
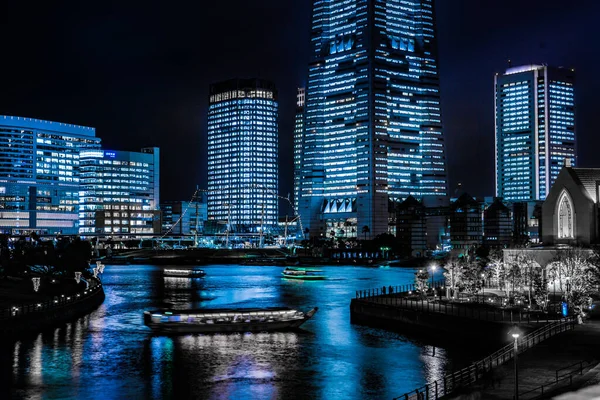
{"points": [[307, 274], [184, 272], [226, 320]]}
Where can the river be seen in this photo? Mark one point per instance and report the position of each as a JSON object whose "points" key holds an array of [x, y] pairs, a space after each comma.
{"points": [[110, 354]]}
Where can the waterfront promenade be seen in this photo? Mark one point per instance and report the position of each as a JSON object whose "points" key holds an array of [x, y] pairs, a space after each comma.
{"points": [[551, 360], [572, 356]]}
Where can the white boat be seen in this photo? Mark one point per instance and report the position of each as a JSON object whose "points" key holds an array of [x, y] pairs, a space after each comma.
{"points": [[226, 320], [184, 273]]}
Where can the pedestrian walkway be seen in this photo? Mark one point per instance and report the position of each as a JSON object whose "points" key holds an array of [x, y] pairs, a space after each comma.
{"points": [[537, 366]]}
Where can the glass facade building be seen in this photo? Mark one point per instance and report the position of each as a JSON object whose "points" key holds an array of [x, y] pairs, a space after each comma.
{"points": [[40, 175], [242, 155], [298, 138], [535, 129], [373, 126], [119, 192]]}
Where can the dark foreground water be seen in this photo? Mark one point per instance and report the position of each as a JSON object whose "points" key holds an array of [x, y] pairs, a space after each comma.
{"points": [[110, 354]]}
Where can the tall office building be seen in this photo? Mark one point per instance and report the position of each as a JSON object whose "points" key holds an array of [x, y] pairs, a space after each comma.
{"points": [[119, 192], [535, 129], [242, 155], [298, 142], [373, 126], [39, 174]]}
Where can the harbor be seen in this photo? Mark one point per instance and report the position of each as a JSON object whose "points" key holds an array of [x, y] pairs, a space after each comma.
{"points": [[373, 363]]}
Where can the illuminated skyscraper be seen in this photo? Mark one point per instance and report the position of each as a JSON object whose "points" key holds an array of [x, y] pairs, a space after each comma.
{"points": [[298, 135], [535, 129], [39, 174], [373, 127], [120, 192], [242, 155]]}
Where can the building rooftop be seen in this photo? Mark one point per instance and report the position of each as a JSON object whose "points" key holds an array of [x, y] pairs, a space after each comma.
{"points": [[50, 126], [523, 68], [588, 178]]}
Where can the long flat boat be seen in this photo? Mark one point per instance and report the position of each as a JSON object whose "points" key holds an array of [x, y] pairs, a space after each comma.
{"points": [[184, 273], [226, 320], [306, 274]]}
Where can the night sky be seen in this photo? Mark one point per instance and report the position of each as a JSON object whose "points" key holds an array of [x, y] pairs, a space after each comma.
{"points": [[139, 71]]}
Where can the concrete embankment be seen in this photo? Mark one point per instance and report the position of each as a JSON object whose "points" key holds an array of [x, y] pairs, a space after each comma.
{"points": [[266, 256], [26, 318], [197, 256], [437, 320]]}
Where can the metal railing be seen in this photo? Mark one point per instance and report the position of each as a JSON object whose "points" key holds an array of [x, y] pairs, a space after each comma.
{"points": [[560, 377], [399, 296], [390, 290], [466, 376], [21, 310]]}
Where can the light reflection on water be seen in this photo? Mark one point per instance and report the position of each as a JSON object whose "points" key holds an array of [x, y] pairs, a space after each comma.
{"points": [[111, 354]]}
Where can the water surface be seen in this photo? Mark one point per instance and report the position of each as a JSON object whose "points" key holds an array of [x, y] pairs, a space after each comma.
{"points": [[110, 354]]}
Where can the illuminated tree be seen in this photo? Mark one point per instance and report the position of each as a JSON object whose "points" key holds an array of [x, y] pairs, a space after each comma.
{"points": [[540, 290], [422, 280], [577, 272]]}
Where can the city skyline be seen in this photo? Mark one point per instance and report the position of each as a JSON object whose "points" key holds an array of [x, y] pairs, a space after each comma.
{"points": [[141, 86]]}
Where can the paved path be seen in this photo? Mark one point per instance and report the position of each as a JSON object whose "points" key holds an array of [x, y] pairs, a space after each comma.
{"points": [[537, 366]]}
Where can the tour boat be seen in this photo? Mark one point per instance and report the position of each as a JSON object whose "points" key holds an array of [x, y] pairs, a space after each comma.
{"points": [[307, 274], [226, 320], [184, 273]]}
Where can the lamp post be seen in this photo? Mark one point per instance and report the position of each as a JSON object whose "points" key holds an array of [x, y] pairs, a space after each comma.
{"points": [[433, 267], [515, 335], [483, 285]]}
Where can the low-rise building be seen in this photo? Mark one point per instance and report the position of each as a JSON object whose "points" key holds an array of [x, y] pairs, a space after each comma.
{"points": [[466, 223], [183, 217], [119, 192], [497, 225]]}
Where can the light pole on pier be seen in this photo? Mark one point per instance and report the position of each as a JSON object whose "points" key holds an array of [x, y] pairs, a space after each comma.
{"points": [[515, 334]]}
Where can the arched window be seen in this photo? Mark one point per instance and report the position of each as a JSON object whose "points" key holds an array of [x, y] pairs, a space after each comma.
{"points": [[565, 217]]}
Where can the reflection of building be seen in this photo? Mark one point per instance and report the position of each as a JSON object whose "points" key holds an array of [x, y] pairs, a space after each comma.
{"points": [[242, 154], [570, 213], [120, 192], [373, 129], [39, 174], [182, 217], [535, 129]]}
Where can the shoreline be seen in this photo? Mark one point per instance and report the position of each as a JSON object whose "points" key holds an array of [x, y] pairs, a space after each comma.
{"points": [[27, 318], [277, 257]]}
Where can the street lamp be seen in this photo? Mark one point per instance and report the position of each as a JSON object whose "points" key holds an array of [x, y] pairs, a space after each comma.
{"points": [[433, 267], [515, 334]]}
